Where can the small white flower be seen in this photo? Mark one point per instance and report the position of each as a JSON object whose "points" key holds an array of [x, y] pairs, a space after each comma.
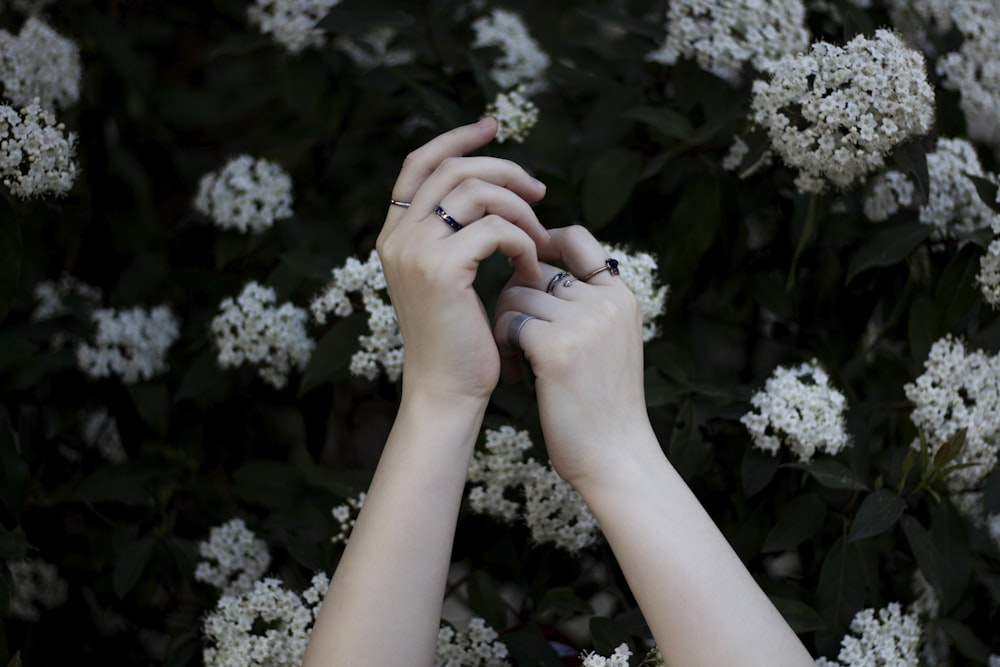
{"points": [[834, 112], [556, 514], [617, 659], [36, 152], [251, 329], [247, 194], [798, 408], [347, 515], [100, 430], [515, 115], [37, 586], [235, 558], [267, 626], [476, 648], [381, 349], [39, 63], [51, 296], [959, 390], [988, 277], [522, 60], [722, 36], [883, 638], [638, 271], [372, 49], [291, 23], [131, 344]]}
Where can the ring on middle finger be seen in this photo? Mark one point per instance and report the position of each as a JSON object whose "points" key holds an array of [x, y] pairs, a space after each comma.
{"points": [[555, 281], [447, 218]]}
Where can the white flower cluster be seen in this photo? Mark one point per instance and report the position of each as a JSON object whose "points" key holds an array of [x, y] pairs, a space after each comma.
{"points": [[291, 23], [36, 152], [383, 346], [30, 7], [994, 661], [515, 114], [236, 558], [799, 408], [131, 344], [266, 626], [346, 515], [959, 390], [522, 60], [834, 112], [100, 430], [953, 203], [989, 274], [886, 638], [638, 271], [36, 585], [553, 511], [723, 36], [246, 194], [250, 329], [51, 297], [476, 648], [974, 70], [39, 63], [620, 658], [372, 49]]}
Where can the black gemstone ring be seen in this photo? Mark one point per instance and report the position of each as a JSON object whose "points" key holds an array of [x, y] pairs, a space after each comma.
{"points": [[609, 265], [446, 216]]}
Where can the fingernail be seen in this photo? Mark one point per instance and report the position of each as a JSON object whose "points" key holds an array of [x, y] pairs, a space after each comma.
{"points": [[485, 121], [538, 184]]}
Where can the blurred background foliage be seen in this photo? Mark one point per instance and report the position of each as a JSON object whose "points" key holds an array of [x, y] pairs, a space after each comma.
{"points": [[631, 149]]}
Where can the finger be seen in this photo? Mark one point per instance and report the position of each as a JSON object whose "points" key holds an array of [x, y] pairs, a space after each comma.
{"points": [[453, 172], [475, 198], [494, 234], [578, 250], [510, 335], [422, 162], [555, 281], [529, 300]]}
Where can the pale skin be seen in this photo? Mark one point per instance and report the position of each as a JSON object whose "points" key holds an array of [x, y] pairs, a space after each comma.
{"points": [[585, 349]]}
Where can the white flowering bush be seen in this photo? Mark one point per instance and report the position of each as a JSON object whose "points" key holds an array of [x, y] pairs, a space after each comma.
{"points": [[196, 338], [252, 329]]}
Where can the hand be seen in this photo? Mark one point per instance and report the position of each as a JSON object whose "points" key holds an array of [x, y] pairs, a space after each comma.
{"points": [[430, 268], [585, 350]]}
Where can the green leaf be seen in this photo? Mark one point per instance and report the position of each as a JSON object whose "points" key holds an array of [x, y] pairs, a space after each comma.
{"points": [[957, 295], [13, 544], [608, 634], [659, 391], [687, 451], [911, 159], [757, 470], [485, 600], [950, 449], [693, 226], [840, 593], [333, 353], [890, 244], [923, 550], [608, 185], [204, 381], [13, 469], [667, 121], [15, 661], [114, 485], [991, 493], [152, 402], [967, 643], [878, 513], [564, 602], [831, 474], [528, 647], [131, 564], [798, 521], [270, 484], [10, 262], [951, 542], [987, 190], [922, 329], [13, 350], [800, 616]]}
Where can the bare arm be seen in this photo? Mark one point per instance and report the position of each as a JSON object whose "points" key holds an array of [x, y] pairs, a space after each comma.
{"points": [[585, 349], [384, 602]]}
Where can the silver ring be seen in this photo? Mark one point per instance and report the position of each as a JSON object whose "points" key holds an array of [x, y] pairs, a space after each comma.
{"points": [[555, 281], [446, 216], [396, 202], [514, 329]]}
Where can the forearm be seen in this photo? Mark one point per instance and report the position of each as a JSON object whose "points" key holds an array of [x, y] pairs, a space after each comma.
{"points": [[701, 603], [384, 602]]}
